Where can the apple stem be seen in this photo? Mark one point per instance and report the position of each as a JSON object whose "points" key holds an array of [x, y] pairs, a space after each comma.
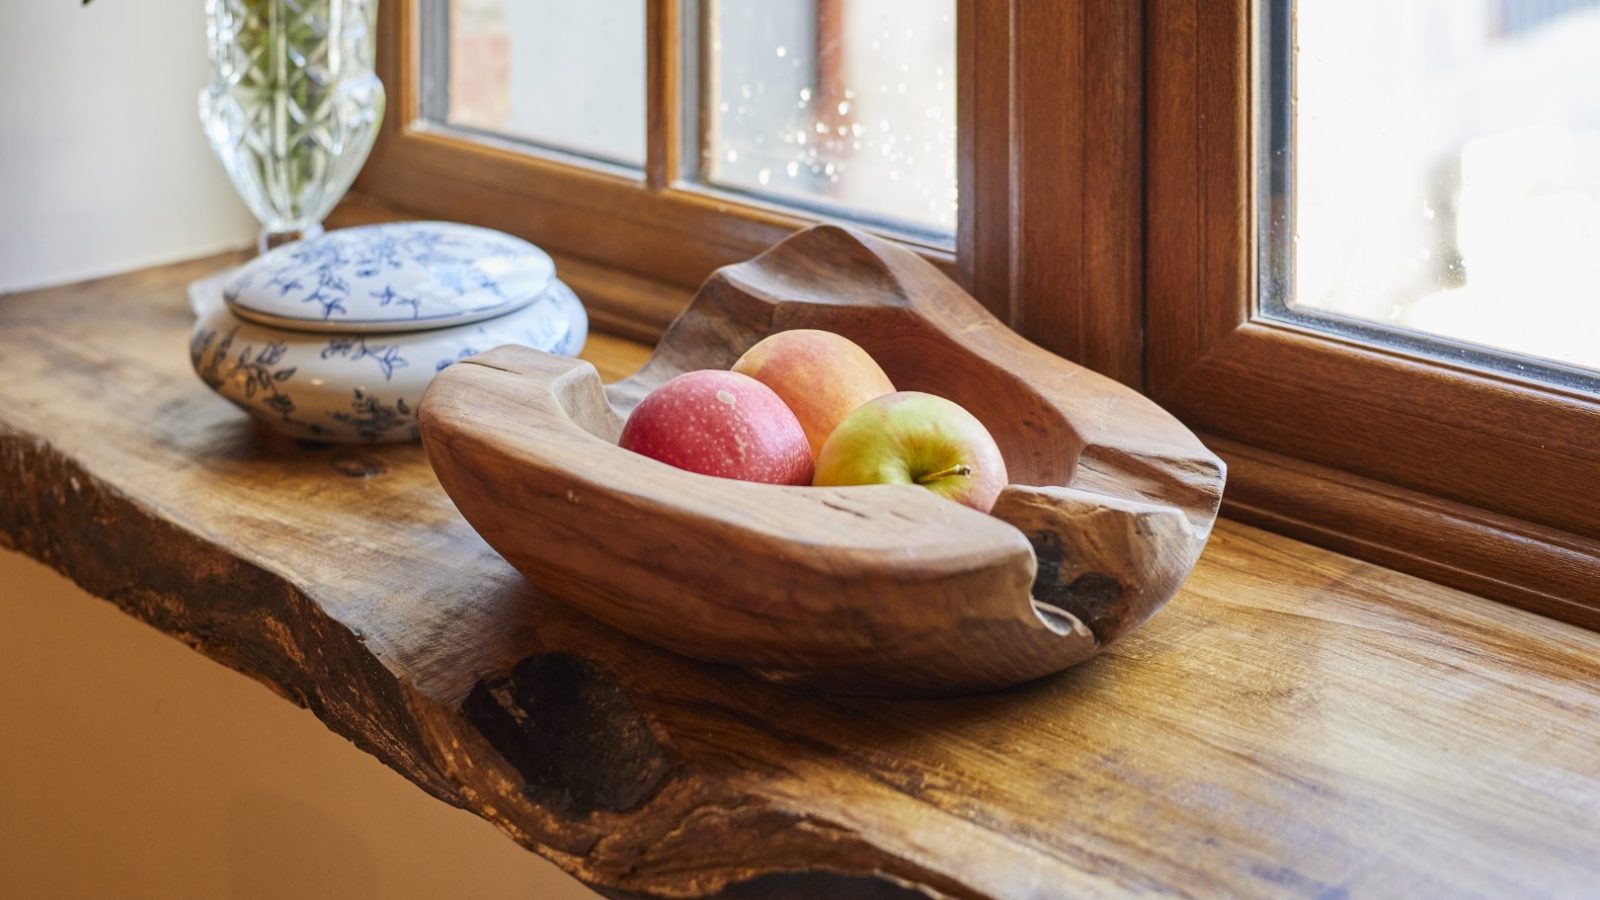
{"points": [[962, 469]]}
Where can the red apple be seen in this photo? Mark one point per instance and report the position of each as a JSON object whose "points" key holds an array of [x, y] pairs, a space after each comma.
{"points": [[910, 437], [723, 424], [822, 376]]}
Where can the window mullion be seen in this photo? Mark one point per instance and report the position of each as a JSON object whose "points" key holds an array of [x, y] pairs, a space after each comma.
{"points": [[664, 92]]}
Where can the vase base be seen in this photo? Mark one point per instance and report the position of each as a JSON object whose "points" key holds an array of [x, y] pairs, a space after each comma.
{"points": [[269, 238]]}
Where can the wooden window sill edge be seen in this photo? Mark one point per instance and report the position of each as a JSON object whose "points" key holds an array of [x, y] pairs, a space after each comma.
{"points": [[1520, 563]]}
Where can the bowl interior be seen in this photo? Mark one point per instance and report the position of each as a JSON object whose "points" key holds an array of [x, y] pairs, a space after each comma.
{"points": [[1039, 445]]}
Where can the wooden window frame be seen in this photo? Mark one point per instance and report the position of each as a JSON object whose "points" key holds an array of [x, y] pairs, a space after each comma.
{"points": [[1105, 212], [1472, 478], [636, 248]]}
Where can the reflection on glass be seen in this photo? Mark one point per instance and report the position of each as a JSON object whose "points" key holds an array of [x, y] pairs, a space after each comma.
{"points": [[1444, 161], [848, 105], [560, 74]]}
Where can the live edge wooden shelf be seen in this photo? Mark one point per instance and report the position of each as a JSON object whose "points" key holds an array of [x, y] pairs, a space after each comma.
{"points": [[1293, 723]]}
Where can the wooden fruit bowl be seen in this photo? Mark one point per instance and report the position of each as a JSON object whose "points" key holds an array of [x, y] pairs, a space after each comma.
{"points": [[883, 589]]}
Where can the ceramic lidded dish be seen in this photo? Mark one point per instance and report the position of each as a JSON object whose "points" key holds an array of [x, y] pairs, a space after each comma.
{"points": [[334, 338]]}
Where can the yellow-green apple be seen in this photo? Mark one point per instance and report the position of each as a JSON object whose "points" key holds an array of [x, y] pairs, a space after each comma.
{"points": [[822, 376], [909, 437], [723, 424]]}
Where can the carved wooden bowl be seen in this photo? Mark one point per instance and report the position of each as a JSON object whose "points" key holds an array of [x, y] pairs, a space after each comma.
{"points": [[882, 589]]}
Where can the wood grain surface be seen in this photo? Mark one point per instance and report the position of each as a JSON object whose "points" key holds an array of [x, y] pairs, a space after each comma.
{"points": [[1050, 160], [1294, 724], [881, 589]]}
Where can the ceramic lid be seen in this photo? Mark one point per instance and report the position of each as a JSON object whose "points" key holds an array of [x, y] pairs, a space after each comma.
{"points": [[396, 276]]}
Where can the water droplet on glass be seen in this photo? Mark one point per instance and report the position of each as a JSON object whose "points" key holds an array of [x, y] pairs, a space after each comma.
{"points": [[832, 146]]}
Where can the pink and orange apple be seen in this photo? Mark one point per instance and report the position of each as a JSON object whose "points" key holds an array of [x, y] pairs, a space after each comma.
{"points": [[822, 376]]}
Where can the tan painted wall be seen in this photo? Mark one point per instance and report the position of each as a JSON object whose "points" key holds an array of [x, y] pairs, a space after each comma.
{"points": [[133, 767]]}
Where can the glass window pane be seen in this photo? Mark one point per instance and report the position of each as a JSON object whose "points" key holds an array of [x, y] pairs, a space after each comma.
{"points": [[564, 75], [842, 105], [1433, 167]]}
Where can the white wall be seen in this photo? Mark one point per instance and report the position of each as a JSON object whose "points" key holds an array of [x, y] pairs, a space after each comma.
{"points": [[103, 166]]}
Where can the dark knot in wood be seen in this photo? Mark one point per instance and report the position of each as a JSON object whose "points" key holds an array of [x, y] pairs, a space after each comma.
{"points": [[1094, 597], [578, 741], [358, 466]]}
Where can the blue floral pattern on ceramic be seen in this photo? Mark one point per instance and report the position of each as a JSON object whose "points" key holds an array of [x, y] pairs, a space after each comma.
{"points": [[387, 357], [359, 387], [397, 276], [250, 372]]}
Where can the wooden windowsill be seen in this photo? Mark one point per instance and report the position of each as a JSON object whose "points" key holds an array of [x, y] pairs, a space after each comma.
{"points": [[1294, 722]]}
